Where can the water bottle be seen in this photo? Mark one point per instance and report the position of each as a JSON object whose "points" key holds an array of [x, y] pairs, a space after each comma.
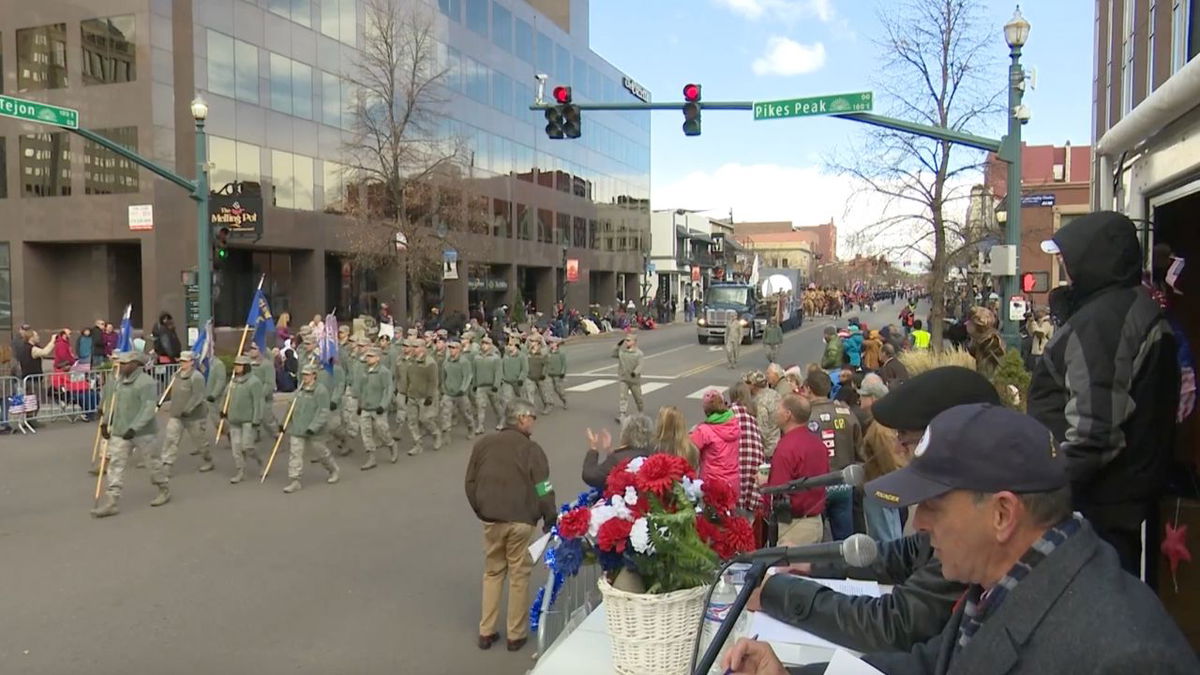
{"points": [[719, 607]]}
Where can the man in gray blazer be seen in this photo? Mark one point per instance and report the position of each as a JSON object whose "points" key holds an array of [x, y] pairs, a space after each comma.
{"points": [[1045, 594]]}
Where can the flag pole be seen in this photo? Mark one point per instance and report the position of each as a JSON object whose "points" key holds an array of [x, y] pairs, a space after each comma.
{"points": [[229, 388], [282, 430]]}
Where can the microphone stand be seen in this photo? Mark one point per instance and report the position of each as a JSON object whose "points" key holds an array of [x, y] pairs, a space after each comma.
{"points": [[754, 577]]}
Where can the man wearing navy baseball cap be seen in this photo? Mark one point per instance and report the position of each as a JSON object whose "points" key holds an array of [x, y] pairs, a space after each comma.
{"points": [[1045, 594]]}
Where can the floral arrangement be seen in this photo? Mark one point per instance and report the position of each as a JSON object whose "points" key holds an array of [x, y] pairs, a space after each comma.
{"points": [[657, 519]]}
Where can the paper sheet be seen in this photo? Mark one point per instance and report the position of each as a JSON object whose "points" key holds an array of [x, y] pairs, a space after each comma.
{"points": [[770, 630], [538, 547], [851, 586], [845, 663]]}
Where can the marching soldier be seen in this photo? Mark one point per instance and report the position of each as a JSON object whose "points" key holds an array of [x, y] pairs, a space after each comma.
{"points": [[772, 338], [400, 370], [424, 380], [356, 369], [457, 379], [306, 350], [218, 379], [486, 370], [246, 403], [308, 428], [345, 344], [374, 393], [629, 371], [133, 426], [263, 368], [187, 411], [540, 395], [733, 338], [556, 370], [514, 371]]}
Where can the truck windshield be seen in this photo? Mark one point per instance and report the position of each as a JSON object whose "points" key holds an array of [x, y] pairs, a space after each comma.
{"points": [[728, 295]]}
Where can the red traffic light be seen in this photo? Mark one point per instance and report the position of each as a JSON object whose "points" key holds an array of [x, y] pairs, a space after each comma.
{"points": [[691, 93], [562, 95], [1028, 282]]}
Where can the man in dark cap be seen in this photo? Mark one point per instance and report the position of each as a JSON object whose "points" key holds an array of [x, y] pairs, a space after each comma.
{"points": [[1107, 384], [922, 599], [1044, 593]]}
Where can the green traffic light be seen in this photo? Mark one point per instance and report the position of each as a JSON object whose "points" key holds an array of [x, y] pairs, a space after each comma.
{"points": [[222, 253]]}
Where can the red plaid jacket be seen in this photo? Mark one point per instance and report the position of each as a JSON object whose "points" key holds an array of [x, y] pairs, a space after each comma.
{"points": [[751, 453]]}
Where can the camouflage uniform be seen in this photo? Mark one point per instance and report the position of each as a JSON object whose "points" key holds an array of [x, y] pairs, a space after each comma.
{"points": [[308, 429], [556, 371], [246, 404], [187, 411], [133, 426], [542, 391], [457, 385], [486, 375], [423, 405], [514, 373], [375, 390]]}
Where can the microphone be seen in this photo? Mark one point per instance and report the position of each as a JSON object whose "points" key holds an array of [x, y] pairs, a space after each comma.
{"points": [[852, 475], [857, 550]]}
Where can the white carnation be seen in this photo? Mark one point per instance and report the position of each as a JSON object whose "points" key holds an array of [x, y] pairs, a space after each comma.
{"points": [[639, 536], [691, 488], [601, 513], [635, 464], [619, 509], [631, 496]]}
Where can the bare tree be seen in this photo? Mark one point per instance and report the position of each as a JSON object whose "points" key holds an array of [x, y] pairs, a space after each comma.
{"points": [[410, 195], [937, 70]]}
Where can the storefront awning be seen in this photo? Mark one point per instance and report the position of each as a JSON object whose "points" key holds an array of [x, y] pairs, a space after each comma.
{"points": [[700, 236]]}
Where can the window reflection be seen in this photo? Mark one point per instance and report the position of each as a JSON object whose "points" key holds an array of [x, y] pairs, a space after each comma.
{"points": [[501, 27], [523, 41], [108, 50], [477, 16], [42, 57], [46, 164], [106, 172]]}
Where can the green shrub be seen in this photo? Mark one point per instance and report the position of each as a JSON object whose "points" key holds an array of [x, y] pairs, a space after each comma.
{"points": [[518, 310], [1012, 373]]}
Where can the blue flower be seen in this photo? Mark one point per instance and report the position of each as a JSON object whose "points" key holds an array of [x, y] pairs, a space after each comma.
{"points": [[568, 558]]}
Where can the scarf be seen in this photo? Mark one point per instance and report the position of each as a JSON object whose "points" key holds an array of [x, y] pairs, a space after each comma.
{"points": [[719, 417], [980, 605]]}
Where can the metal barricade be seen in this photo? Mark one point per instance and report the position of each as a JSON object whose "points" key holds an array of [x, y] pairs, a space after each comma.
{"points": [[73, 395], [12, 415], [577, 598], [162, 373]]}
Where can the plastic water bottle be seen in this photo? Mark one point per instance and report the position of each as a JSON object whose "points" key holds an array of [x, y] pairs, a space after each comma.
{"points": [[718, 608]]}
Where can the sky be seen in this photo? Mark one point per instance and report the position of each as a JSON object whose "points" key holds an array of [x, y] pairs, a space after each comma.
{"points": [[777, 49]]}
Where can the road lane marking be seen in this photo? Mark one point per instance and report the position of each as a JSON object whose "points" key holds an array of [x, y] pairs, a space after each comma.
{"points": [[644, 377], [654, 386], [589, 386]]}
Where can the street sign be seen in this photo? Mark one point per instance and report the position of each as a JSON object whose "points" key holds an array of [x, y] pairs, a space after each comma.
{"points": [[141, 217], [1038, 200], [835, 104], [34, 111]]}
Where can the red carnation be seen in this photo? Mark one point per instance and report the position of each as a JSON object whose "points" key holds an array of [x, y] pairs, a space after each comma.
{"points": [[736, 537], [718, 495], [706, 529], [613, 535], [574, 524], [660, 472], [619, 479]]}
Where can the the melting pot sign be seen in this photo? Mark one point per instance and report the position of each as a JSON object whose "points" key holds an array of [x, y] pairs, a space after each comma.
{"points": [[242, 214]]}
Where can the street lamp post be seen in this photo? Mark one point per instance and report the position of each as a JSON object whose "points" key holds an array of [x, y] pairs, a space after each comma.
{"points": [[203, 230], [1016, 32]]}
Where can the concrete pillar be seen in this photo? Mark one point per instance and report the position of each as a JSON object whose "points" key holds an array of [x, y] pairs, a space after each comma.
{"points": [[578, 294], [547, 288], [606, 288], [393, 289], [509, 274], [454, 291], [632, 289], [308, 287]]}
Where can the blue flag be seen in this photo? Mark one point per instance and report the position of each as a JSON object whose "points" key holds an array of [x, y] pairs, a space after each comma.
{"points": [[327, 348], [125, 336], [204, 348], [260, 320]]}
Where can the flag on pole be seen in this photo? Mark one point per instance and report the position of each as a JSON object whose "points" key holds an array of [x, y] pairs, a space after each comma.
{"points": [[754, 271], [260, 319], [125, 336], [204, 348], [327, 348]]}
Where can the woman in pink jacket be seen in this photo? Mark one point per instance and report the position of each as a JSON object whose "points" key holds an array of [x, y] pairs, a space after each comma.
{"points": [[717, 439]]}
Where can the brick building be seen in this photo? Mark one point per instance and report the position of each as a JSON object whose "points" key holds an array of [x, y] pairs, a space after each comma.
{"points": [[821, 239]]}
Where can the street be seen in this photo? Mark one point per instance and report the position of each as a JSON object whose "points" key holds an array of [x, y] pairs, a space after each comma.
{"points": [[377, 574]]}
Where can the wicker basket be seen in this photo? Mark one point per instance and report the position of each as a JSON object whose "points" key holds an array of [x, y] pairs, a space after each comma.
{"points": [[652, 634]]}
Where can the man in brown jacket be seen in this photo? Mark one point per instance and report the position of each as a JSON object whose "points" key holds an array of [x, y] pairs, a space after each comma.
{"points": [[508, 486]]}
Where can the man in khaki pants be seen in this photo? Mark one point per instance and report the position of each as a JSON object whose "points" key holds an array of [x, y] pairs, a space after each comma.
{"points": [[799, 454], [508, 486]]}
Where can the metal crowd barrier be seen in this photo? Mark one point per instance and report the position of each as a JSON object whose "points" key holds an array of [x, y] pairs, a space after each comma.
{"points": [[577, 598], [74, 395], [12, 417]]}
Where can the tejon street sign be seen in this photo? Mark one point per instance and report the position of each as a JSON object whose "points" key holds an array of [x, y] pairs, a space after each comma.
{"points": [[34, 111], [835, 104]]}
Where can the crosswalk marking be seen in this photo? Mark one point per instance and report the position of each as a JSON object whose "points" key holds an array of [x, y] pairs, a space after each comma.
{"points": [[654, 386], [589, 386], [699, 393]]}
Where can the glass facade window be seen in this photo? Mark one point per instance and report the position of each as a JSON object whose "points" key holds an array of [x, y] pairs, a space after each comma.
{"points": [[334, 101], [476, 79], [109, 50], [477, 16], [562, 61], [502, 224], [5, 287], [339, 20], [523, 41], [545, 54], [42, 57], [3, 168], [334, 188], [502, 33], [232, 67], [502, 93], [106, 172], [233, 161], [46, 164], [292, 178], [299, 11], [291, 87], [454, 70], [452, 9]]}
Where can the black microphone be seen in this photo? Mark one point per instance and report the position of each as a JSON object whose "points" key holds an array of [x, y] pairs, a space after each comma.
{"points": [[852, 475], [857, 550]]}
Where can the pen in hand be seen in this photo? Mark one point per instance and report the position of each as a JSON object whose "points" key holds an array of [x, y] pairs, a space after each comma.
{"points": [[729, 671]]}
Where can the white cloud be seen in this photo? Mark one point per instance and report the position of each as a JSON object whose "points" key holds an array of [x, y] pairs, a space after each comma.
{"points": [[788, 57], [805, 195], [786, 10]]}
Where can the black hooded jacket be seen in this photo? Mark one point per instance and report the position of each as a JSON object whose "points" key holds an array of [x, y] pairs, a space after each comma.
{"points": [[1107, 385]]}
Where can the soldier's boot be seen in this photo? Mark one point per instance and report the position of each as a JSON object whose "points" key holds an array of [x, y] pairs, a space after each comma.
{"points": [[437, 441], [314, 460], [416, 449], [164, 496], [393, 452], [207, 464], [334, 473], [291, 487], [257, 458], [195, 451], [106, 508], [370, 463], [95, 470], [238, 476], [343, 448]]}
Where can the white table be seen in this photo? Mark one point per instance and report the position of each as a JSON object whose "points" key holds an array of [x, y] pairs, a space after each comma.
{"points": [[587, 651]]}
